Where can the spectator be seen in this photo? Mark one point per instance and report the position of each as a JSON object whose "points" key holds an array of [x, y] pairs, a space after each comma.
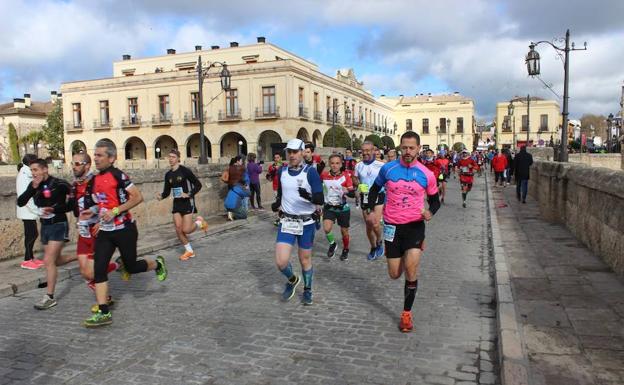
{"points": [[236, 172], [522, 165], [236, 202], [499, 164], [28, 214], [254, 170]]}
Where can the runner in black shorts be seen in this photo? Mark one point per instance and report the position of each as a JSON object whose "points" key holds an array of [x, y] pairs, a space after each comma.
{"points": [[337, 184], [183, 185]]}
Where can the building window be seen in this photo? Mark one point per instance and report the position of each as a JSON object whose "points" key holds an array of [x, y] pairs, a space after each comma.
{"points": [[425, 124], [268, 100], [460, 125], [327, 103], [231, 102], [300, 101], [507, 123], [133, 110], [316, 103], [77, 115], [163, 107], [544, 122], [408, 124], [443, 125], [195, 105], [104, 113], [525, 122]]}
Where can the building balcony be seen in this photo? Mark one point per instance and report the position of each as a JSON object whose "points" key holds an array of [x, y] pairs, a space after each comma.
{"points": [[267, 113], [229, 116], [162, 120], [303, 113], [543, 128], [102, 124], [357, 123], [318, 116], [190, 118], [131, 122], [73, 126]]}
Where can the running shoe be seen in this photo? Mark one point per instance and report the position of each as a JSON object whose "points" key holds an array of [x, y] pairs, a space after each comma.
{"points": [[230, 216], [98, 319], [95, 308], [345, 255], [204, 225], [187, 255], [332, 249], [125, 275], [289, 289], [30, 265], [406, 322], [379, 250], [464, 204], [371, 256], [39, 262], [306, 300], [45, 303], [161, 269]]}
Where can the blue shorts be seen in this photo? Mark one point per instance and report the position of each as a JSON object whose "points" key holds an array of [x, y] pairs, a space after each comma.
{"points": [[305, 241], [54, 232]]}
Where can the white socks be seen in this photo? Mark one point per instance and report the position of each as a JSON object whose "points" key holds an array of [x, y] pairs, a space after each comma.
{"points": [[188, 247]]}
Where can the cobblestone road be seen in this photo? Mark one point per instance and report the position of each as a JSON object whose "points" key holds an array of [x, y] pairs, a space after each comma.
{"points": [[218, 318]]}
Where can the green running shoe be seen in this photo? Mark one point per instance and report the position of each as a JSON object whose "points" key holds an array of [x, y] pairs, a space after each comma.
{"points": [[161, 270], [98, 319]]}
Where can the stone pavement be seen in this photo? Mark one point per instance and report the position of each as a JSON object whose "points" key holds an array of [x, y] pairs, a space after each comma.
{"points": [[569, 304], [218, 319]]}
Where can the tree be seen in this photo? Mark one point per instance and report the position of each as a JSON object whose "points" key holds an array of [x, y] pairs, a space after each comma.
{"points": [[375, 139], [53, 131], [32, 138], [597, 122], [342, 138], [457, 147], [388, 142], [13, 143], [357, 144]]}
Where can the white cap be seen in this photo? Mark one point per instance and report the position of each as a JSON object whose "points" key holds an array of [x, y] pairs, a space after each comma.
{"points": [[295, 144]]}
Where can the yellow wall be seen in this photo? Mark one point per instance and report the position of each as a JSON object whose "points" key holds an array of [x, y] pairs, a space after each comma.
{"points": [[537, 108]]}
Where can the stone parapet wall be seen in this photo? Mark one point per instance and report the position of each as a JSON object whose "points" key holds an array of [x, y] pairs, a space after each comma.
{"points": [[588, 200], [149, 213], [612, 161]]}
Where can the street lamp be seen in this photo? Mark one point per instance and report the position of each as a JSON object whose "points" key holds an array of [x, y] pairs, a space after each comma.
{"points": [[609, 130], [240, 147], [533, 67], [158, 157], [225, 86], [510, 113], [448, 134]]}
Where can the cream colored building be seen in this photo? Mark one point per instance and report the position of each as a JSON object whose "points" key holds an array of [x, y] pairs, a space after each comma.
{"points": [[150, 105], [542, 120], [440, 120], [26, 115]]}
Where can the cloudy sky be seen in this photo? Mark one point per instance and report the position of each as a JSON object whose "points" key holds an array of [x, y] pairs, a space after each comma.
{"points": [[476, 47]]}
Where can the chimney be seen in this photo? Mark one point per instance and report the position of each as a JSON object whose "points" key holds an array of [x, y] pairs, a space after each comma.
{"points": [[214, 47], [233, 44], [126, 57], [198, 48], [170, 51], [261, 39], [27, 100], [19, 103], [53, 96]]}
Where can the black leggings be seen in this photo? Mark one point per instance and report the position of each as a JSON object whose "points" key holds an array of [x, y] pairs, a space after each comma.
{"points": [[254, 188], [126, 241], [30, 236]]}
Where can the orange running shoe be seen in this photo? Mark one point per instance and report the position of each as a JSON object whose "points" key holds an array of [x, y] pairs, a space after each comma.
{"points": [[186, 256], [204, 225], [406, 322]]}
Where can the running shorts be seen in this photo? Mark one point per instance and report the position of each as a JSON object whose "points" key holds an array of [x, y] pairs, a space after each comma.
{"points": [[53, 232], [305, 241], [402, 237], [84, 246], [183, 207], [342, 217]]}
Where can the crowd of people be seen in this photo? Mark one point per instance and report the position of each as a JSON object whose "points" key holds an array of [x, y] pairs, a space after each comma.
{"points": [[397, 192]]}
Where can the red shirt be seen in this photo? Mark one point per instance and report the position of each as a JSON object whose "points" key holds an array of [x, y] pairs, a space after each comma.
{"points": [[109, 190], [442, 164], [499, 163], [273, 168], [334, 185], [433, 167], [466, 170]]}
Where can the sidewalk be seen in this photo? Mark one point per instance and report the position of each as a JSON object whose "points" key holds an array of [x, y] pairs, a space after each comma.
{"points": [[569, 304], [14, 279]]}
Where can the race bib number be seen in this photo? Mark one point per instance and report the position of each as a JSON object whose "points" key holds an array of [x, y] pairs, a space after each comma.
{"points": [[83, 230], [465, 169], [364, 198], [388, 232], [292, 226], [334, 197], [106, 226], [176, 192]]}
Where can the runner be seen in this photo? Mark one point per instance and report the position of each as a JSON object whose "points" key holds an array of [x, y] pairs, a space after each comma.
{"points": [[466, 167], [349, 161], [406, 182], [50, 196], [183, 185], [365, 173], [392, 155], [299, 193], [313, 159], [113, 195], [443, 164], [272, 174], [87, 229], [335, 184]]}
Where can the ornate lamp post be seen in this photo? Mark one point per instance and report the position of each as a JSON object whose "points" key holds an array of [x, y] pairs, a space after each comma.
{"points": [[609, 133], [225, 86], [510, 113], [448, 134], [533, 67]]}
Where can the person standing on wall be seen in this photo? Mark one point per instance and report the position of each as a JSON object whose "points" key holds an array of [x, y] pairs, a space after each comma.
{"points": [[28, 214]]}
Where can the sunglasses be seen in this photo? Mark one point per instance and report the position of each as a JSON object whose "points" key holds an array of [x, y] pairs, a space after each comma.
{"points": [[79, 163]]}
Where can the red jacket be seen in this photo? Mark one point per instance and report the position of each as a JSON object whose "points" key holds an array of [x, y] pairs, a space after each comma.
{"points": [[499, 163]]}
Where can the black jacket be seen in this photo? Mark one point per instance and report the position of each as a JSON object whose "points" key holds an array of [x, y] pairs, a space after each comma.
{"points": [[522, 163]]}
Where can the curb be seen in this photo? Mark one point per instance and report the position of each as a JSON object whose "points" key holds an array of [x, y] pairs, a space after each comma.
{"points": [[512, 357], [11, 289]]}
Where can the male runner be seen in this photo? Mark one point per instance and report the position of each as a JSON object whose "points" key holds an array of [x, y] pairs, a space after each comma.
{"points": [[272, 174], [299, 193], [87, 229], [406, 182], [349, 161], [466, 167], [183, 185], [50, 196], [335, 184], [443, 164], [313, 159], [392, 155], [365, 173], [113, 196]]}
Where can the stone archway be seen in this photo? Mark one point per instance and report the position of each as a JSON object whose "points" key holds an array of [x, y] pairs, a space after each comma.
{"points": [[163, 145], [266, 140], [77, 146], [303, 134], [317, 138], [192, 147], [233, 144], [135, 149]]}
